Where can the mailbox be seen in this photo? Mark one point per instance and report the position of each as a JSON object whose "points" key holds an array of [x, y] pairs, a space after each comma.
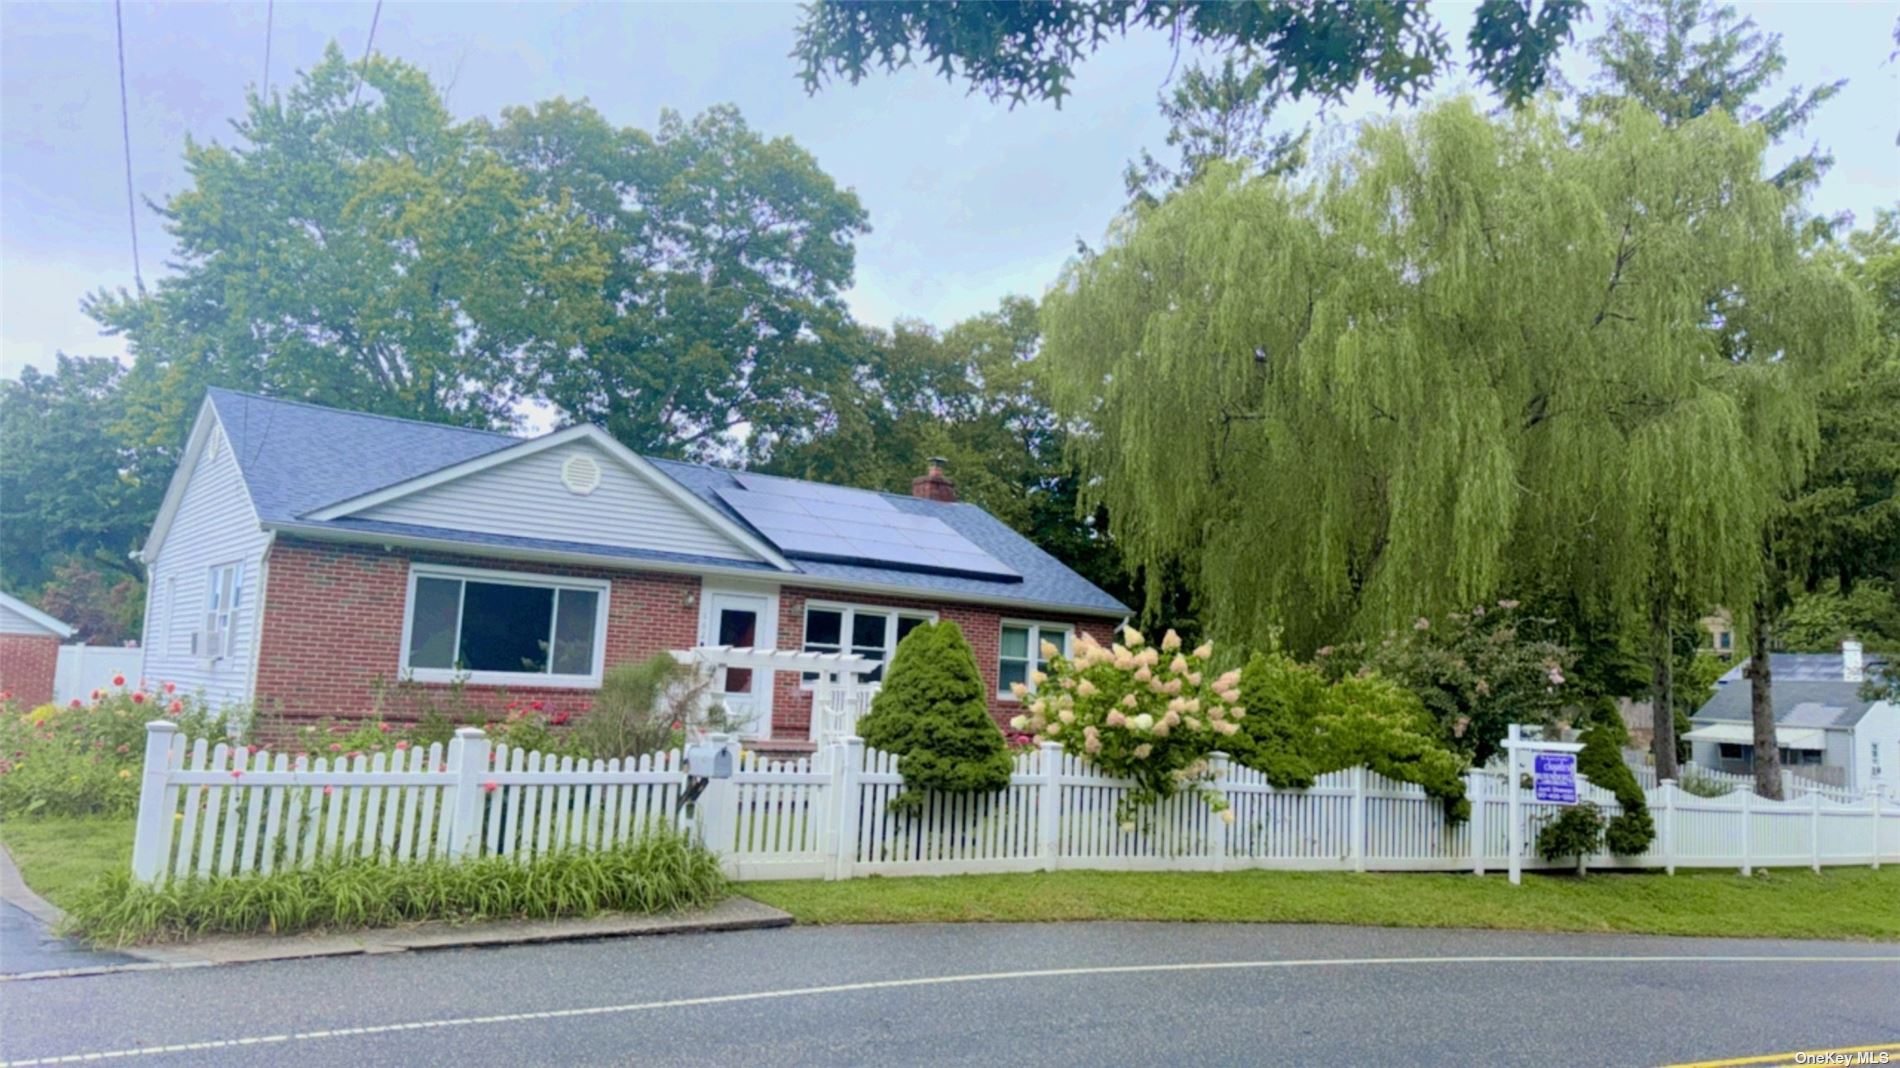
{"points": [[712, 759]]}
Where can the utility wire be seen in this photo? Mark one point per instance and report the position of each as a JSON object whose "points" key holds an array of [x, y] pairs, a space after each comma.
{"points": [[367, 45], [125, 137], [270, 9]]}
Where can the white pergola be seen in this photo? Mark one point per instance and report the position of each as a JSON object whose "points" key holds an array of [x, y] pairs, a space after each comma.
{"points": [[838, 698]]}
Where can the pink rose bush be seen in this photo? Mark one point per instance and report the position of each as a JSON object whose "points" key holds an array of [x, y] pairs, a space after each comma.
{"points": [[1150, 713]]}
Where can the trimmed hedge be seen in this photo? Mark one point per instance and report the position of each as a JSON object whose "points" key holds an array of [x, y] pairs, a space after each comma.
{"points": [[1299, 726], [934, 714], [1601, 761]]}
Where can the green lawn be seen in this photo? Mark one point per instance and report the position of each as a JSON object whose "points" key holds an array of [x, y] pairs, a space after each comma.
{"points": [[1839, 903], [58, 856]]}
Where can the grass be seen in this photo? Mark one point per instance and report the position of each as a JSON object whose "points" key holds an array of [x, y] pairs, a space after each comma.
{"points": [[655, 873], [1839, 903], [58, 856]]}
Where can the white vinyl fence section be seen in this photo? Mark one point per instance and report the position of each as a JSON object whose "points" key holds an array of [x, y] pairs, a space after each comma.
{"points": [[82, 669], [1710, 780], [213, 809]]}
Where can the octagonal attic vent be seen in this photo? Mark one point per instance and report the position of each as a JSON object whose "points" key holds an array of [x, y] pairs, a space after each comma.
{"points": [[580, 474]]}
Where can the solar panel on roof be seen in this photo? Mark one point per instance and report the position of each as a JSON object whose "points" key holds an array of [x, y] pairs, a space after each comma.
{"points": [[856, 526]]}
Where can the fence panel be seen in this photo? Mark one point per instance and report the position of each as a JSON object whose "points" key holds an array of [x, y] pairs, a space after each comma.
{"points": [[211, 809]]}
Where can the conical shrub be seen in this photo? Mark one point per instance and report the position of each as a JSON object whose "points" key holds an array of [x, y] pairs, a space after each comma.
{"points": [[933, 713]]}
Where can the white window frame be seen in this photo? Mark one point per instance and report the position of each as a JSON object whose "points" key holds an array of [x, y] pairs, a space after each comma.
{"points": [[589, 681], [1038, 629], [223, 599], [848, 616]]}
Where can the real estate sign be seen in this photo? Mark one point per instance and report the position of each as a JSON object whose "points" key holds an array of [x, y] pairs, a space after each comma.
{"points": [[1555, 775]]}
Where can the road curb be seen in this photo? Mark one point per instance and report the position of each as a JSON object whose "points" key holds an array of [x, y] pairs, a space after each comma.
{"points": [[732, 914]]}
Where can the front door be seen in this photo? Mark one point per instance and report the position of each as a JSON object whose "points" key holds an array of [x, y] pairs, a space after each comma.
{"points": [[743, 620]]}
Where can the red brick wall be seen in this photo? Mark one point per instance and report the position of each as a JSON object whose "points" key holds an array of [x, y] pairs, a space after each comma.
{"points": [[27, 664], [333, 631], [791, 706], [332, 635]]}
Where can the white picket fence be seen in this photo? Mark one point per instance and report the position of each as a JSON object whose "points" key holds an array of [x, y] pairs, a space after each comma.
{"points": [[213, 809], [1793, 784]]}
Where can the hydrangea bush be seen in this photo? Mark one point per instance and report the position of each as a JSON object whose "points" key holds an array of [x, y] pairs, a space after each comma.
{"points": [[1148, 713]]}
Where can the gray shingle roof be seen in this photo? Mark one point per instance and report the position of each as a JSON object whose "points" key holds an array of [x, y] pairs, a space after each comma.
{"points": [[1045, 580], [297, 458], [1798, 667], [1798, 703]]}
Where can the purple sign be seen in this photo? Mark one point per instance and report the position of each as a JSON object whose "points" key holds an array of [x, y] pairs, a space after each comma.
{"points": [[1556, 777]]}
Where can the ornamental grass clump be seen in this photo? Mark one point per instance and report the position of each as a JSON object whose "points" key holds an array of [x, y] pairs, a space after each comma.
{"points": [[656, 873], [932, 712], [1148, 713]]}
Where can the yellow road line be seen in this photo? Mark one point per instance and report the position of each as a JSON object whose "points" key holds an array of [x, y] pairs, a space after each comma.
{"points": [[1843, 1055]]}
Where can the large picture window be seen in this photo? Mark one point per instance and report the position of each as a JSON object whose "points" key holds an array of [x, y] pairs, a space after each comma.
{"points": [[1019, 650], [497, 627], [872, 633]]}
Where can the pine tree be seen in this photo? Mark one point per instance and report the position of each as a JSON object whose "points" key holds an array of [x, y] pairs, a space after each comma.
{"points": [[933, 713]]}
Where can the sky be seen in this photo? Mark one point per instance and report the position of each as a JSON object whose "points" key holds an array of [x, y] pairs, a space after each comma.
{"points": [[969, 201]]}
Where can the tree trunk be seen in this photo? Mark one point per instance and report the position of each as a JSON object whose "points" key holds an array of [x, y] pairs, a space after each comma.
{"points": [[1761, 706], [1662, 695]]}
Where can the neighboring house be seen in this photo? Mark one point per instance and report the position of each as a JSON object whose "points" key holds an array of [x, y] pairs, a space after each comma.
{"points": [[305, 559], [29, 651], [1825, 728], [1720, 627]]}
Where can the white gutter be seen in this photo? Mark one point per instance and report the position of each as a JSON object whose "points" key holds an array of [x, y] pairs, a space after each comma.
{"points": [[325, 532]]}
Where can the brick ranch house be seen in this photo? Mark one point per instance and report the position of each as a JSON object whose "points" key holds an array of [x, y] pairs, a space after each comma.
{"points": [[312, 562], [29, 651]]}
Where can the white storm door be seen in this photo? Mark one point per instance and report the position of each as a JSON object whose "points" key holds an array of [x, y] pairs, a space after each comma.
{"points": [[744, 620]]}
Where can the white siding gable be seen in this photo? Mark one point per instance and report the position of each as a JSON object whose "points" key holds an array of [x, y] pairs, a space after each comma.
{"points": [[214, 526], [527, 498], [12, 622]]}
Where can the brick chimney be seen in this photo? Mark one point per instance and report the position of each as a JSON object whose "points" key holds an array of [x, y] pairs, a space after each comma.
{"points": [[934, 485], [1853, 662]]}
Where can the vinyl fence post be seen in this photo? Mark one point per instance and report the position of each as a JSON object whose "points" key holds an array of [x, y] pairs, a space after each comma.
{"points": [[1667, 788], [1873, 802], [1049, 805], [848, 795], [1748, 829], [717, 810], [1217, 824], [1359, 818], [152, 838], [1475, 833], [1814, 827], [468, 763]]}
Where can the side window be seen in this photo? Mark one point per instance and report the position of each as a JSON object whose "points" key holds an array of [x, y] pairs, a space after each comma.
{"points": [[224, 593], [1019, 651]]}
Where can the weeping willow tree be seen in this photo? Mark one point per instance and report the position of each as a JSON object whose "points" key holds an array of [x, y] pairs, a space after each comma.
{"points": [[1468, 349]]}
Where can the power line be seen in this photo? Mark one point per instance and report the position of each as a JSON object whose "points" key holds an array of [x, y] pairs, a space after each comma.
{"points": [[367, 45], [125, 136], [270, 8]]}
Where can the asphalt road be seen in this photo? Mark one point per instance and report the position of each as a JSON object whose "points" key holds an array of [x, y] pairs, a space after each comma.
{"points": [[990, 995]]}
